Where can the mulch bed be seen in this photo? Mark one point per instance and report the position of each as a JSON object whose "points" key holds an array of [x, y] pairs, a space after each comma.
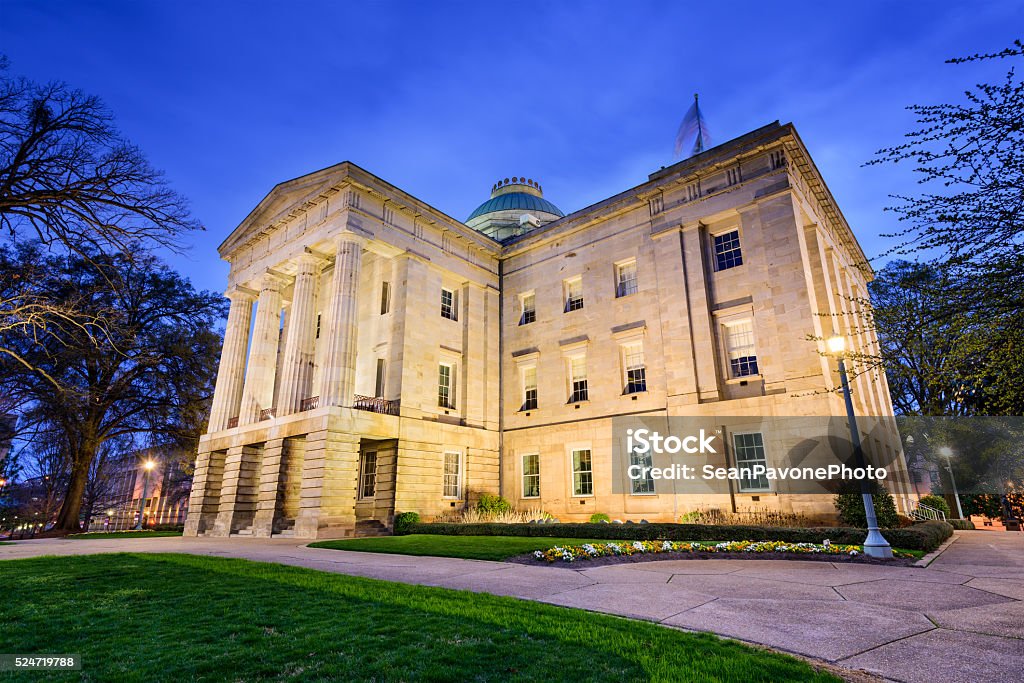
{"points": [[582, 563]]}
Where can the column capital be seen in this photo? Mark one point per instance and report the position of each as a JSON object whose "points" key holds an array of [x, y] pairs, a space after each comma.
{"points": [[352, 236], [271, 281], [240, 293], [309, 259]]}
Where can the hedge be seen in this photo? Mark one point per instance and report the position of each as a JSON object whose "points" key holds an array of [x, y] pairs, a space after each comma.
{"points": [[962, 524], [925, 536]]}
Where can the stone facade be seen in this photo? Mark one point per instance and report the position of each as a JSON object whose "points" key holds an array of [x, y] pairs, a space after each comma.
{"points": [[392, 347]]}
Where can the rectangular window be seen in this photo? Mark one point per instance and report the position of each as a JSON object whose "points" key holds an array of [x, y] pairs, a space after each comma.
{"points": [[368, 475], [529, 309], [727, 250], [732, 176], [381, 375], [750, 452], [531, 476], [452, 475], [626, 277], [529, 388], [644, 484], [578, 379], [445, 386], [574, 294], [582, 473], [636, 372], [448, 304], [739, 347], [778, 158], [385, 297]]}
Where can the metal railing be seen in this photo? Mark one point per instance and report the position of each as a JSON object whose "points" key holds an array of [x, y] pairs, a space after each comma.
{"points": [[375, 405], [311, 403], [232, 422], [267, 413], [925, 512]]}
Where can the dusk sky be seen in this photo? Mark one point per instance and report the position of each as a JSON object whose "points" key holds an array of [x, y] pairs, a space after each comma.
{"points": [[443, 99]]}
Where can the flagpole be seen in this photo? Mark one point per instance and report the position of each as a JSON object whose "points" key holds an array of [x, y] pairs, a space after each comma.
{"points": [[700, 130]]}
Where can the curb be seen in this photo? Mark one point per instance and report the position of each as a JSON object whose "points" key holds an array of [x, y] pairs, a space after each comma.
{"points": [[930, 557]]}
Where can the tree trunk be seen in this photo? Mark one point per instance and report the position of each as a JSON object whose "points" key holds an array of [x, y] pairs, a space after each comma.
{"points": [[71, 509]]}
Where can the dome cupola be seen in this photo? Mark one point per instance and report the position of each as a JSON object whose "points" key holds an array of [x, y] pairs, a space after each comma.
{"points": [[516, 206]]}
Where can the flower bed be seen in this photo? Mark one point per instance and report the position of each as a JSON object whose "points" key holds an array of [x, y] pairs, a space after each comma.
{"points": [[571, 553]]}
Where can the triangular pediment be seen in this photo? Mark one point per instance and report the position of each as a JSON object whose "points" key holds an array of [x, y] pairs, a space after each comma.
{"points": [[286, 200]]}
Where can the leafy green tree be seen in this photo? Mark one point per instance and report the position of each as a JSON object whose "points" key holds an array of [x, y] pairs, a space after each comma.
{"points": [[140, 360], [850, 506]]}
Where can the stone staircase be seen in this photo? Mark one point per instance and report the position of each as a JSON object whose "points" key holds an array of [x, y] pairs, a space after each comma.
{"points": [[370, 527], [286, 529]]}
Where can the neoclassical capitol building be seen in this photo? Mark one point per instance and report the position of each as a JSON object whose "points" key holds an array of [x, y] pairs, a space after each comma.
{"points": [[381, 356]]}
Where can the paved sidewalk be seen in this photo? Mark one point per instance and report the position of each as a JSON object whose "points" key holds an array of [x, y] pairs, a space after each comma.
{"points": [[960, 619]]}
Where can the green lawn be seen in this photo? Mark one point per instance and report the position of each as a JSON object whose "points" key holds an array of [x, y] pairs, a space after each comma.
{"points": [[468, 547], [169, 617], [124, 534]]}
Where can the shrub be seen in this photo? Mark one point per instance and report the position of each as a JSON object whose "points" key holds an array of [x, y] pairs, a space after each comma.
{"points": [[749, 517], [962, 524], [850, 505], [492, 503], [937, 502], [404, 522], [599, 517], [925, 536]]}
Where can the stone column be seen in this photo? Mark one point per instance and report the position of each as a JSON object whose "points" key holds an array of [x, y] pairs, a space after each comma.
{"points": [[339, 370], [297, 368], [258, 392], [204, 502], [269, 483], [239, 489], [330, 474], [227, 397]]}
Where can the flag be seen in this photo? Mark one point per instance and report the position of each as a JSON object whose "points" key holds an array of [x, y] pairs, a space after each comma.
{"points": [[693, 125]]}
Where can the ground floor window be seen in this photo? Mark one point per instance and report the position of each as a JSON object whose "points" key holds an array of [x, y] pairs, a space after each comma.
{"points": [[644, 483], [582, 473], [452, 475], [531, 476], [750, 452], [368, 475]]}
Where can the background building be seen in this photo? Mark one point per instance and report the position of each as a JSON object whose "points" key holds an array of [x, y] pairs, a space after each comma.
{"points": [[403, 360]]}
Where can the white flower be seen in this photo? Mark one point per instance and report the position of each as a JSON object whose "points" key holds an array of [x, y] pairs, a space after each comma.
{"points": [[639, 546], [667, 545], [854, 552], [826, 543]]}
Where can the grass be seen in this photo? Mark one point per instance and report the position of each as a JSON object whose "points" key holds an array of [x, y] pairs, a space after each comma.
{"points": [[123, 534], [496, 548], [467, 547], [170, 617]]}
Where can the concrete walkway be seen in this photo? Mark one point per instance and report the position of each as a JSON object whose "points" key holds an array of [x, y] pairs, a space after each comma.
{"points": [[960, 619]]}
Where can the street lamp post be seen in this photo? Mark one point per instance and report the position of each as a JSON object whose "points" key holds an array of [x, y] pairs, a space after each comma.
{"points": [[947, 453], [875, 544], [146, 467]]}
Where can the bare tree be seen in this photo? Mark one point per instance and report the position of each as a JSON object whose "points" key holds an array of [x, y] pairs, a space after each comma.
{"points": [[147, 369]]}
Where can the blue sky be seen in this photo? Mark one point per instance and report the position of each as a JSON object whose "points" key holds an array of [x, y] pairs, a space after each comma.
{"points": [[444, 98]]}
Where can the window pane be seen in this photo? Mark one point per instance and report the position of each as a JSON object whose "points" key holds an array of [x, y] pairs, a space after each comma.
{"points": [[444, 386], [582, 473], [452, 463], [739, 342], [531, 476], [529, 310], [368, 475], [627, 279], [385, 297], [447, 304], [727, 250], [529, 388], [636, 373], [574, 295], [750, 452], [644, 484]]}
